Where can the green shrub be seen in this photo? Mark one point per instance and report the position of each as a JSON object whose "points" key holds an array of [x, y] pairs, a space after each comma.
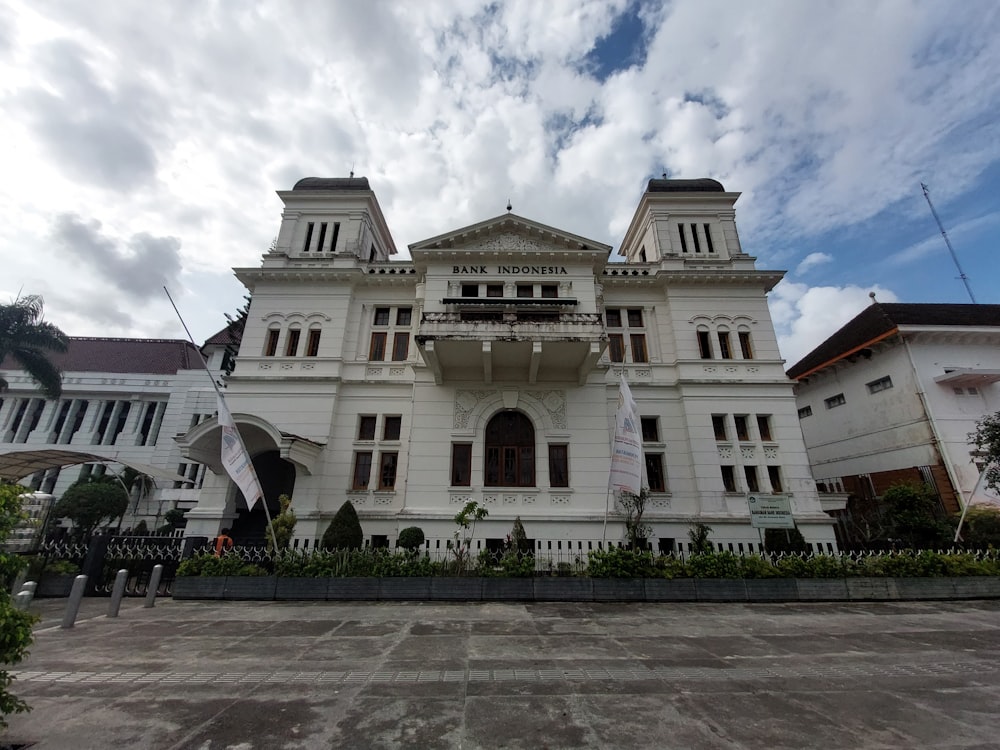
{"points": [[755, 566], [715, 565], [617, 562], [344, 531], [229, 564], [411, 538]]}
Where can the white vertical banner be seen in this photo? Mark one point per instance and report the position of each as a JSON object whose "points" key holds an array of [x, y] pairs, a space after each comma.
{"points": [[628, 465], [236, 459]]}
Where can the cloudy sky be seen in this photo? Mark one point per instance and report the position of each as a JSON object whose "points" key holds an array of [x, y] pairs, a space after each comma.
{"points": [[142, 143]]}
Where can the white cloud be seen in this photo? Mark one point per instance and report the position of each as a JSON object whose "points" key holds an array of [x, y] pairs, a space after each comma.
{"points": [[812, 261], [805, 316], [170, 122]]}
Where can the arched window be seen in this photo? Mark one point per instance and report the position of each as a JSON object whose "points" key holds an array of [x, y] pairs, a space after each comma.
{"points": [[510, 451]]}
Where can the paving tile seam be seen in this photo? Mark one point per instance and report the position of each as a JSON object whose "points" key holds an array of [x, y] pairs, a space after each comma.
{"points": [[667, 674]]}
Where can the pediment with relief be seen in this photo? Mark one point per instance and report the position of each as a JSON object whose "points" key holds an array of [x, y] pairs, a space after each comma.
{"points": [[509, 233]]}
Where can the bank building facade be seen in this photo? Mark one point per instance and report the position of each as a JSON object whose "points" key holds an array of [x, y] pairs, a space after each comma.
{"points": [[487, 369]]}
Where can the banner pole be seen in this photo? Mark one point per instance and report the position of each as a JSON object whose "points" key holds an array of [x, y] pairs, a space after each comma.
{"points": [[218, 392]]}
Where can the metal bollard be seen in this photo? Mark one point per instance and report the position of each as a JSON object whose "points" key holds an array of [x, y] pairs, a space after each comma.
{"points": [[22, 600], [154, 584], [117, 593], [19, 581], [73, 605]]}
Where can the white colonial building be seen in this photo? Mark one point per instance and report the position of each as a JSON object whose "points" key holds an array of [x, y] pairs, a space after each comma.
{"points": [[893, 395], [487, 367]]}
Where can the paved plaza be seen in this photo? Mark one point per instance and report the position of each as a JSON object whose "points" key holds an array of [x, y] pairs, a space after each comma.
{"points": [[219, 675]]}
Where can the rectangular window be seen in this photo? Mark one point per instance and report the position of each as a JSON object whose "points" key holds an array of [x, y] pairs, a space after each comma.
{"points": [[835, 401], [882, 384], [376, 352], [494, 290], [470, 290], [613, 318], [751, 474], [403, 316], [312, 343], [694, 236], [654, 472], [719, 427], [366, 428], [638, 347], [704, 345], [650, 429], [390, 431], [729, 478], [724, 351], [550, 291], [362, 470], [708, 237], [292, 342], [336, 234], [309, 237], [635, 318], [742, 427], [745, 348], [774, 476], [684, 244], [387, 471], [381, 316], [764, 426], [559, 466], [805, 411], [147, 422], [400, 346], [271, 342], [322, 237], [525, 290], [616, 347], [461, 464]]}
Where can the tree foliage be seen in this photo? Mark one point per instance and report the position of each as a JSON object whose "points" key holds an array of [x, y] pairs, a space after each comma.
{"points": [[283, 524], [344, 531], [636, 532], [90, 502], [698, 534], [986, 438], [29, 340], [15, 625], [410, 538], [235, 326], [519, 537], [784, 540], [915, 516]]}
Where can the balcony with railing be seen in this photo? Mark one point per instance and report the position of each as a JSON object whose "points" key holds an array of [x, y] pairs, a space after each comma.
{"points": [[530, 344]]}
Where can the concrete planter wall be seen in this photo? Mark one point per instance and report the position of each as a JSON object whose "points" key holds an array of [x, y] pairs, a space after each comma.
{"points": [[558, 589], [55, 586]]}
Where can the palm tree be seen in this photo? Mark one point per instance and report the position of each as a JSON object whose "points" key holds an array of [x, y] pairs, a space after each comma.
{"points": [[29, 340]]}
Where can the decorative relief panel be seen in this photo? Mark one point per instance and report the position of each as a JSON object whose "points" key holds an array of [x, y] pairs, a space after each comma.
{"points": [[747, 451], [465, 404], [358, 498], [528, 499], [731, 370], [555, 404], [490, 499], [462, 499], [726, 452], [660, 503], [508, 242], [373, 372], [643, 373], [770, 453], [560, 499], [397, 370], [308, 366], [753, 370], [510, 499], [287, 365], [710, 370], [383, 499], [264, 366]]}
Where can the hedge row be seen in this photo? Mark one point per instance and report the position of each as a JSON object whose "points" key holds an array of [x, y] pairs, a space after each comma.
{"points": [[611, 563]]}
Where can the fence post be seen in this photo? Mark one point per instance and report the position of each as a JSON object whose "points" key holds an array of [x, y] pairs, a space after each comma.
{"points": [[154, 584], [93, 563], [119, 591], [73, 603]]}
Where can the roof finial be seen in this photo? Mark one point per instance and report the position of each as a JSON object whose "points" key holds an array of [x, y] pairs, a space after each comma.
{"points": [[352, 170], [509, 207], [664, 175], [872, 296]]}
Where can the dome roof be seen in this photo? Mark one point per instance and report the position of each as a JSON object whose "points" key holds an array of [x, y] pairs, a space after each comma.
{"points": [[332, 183], [701, 185]]}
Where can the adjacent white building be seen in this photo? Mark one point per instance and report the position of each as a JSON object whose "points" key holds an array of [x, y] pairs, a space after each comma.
{"points": [[122, 400], [893, 395], [486, 368]]}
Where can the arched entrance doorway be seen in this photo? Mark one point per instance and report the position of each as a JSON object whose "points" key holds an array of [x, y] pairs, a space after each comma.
{"points": [[277, 477], [510, 451]]}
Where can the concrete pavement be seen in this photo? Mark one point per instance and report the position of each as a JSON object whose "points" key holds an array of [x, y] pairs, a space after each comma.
{"points": [[415, 675]]}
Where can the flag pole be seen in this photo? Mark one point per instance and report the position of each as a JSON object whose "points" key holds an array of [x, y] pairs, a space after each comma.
{"points": [[218, 393]]}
